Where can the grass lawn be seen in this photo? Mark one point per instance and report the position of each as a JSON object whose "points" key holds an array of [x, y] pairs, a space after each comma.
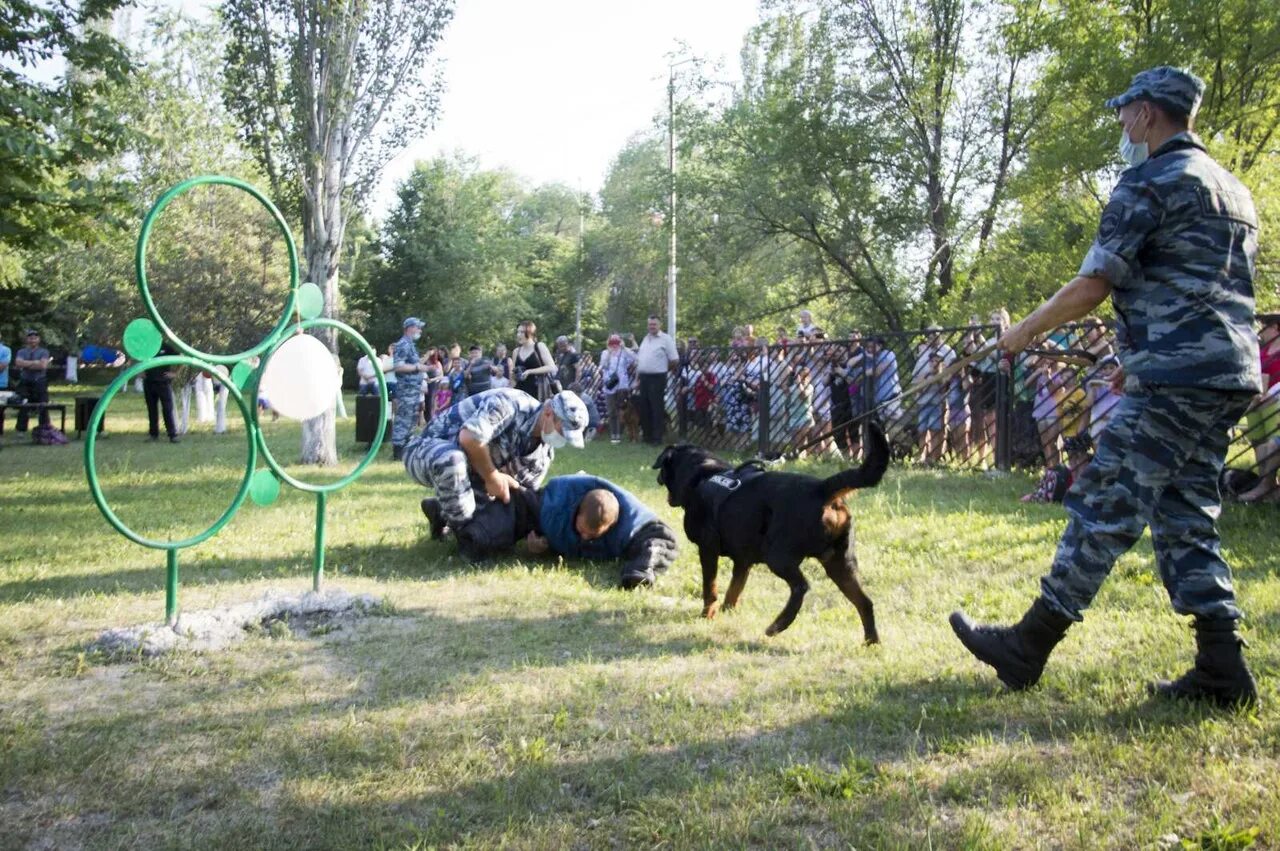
{"points": [[532, 705]]}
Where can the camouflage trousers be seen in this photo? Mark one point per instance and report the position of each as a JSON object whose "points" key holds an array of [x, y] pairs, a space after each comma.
{"points": [[1157, 464], [406, 414], [442, 465]]}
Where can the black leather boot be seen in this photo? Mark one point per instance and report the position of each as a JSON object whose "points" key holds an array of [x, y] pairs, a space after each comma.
{"points": [[1220, 674], [397, 453], [1018, 652], [435, 516]]}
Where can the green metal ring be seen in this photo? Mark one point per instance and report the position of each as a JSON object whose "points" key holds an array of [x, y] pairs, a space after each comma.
{"points": [[374, 446], [140, 261], [91, 439]]}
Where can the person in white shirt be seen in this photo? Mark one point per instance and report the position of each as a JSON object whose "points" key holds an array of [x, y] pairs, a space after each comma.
{"points": [[655, 360], [368, 374]]}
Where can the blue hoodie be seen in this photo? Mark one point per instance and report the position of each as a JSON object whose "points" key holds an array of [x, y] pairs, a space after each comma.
{"points": [[560, 500]]}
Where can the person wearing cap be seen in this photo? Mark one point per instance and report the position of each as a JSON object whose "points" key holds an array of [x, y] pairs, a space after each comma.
{"points": [[490, 444], [408, 368], [568, 364], [1176, 250], [32, 362], [576, 516]]}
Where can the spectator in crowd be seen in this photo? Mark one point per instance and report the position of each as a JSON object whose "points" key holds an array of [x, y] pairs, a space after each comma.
{"points": [[800, 419], [740, 389], [32, 362], [568, 364], [487, 446], [1262, 421], [408, 368], [533, 361], [1049, 386], [882, 372], [367, 375], [629, 341], [806, 329], [749, 335], [478, 371], [703, 393], [157, 387], [739, 337], [1103, 396], [957, 392], [387, 363], [617, 365], [6, 355], [843, 365], [503, 367], [655, 360], [929, 411], [1095, 339]]}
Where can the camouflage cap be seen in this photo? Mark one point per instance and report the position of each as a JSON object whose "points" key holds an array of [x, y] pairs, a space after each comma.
{"points": [[572, 413], [1172, 88]]}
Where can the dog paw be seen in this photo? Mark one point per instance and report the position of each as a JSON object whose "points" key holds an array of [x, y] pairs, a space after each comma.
{"points": [[870, 640], [709, 611]]}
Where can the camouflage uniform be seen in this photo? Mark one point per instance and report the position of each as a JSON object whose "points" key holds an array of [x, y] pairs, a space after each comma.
{"points": [[501, 419], [408, 392], [1177, 242]]}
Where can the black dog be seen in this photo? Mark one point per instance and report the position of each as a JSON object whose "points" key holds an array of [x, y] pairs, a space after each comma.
{"points": [[752, 516]]}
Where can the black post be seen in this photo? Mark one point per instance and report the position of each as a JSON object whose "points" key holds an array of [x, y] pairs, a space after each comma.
{"points": [[1004, 421], [762, 401]]}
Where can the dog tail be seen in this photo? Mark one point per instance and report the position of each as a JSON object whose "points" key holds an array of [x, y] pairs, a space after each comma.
{"points": [[866, 476]]}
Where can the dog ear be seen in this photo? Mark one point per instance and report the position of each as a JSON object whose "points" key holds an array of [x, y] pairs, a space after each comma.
{"points": [[662, 458]]}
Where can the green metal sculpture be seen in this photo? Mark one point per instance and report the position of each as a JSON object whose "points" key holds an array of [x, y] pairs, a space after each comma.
{"points": [[142, 340]]}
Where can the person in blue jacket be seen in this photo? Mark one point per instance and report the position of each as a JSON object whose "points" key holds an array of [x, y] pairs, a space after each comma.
{"points": [[577, 516]]}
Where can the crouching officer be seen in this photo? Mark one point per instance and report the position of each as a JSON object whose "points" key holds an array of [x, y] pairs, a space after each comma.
{"points": [[490, 444], [1175, 250], [576, 516]]}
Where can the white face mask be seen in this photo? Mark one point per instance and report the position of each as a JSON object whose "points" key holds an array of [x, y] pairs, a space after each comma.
{"points": [[554, 439], [415, 336], [1133, 153]]}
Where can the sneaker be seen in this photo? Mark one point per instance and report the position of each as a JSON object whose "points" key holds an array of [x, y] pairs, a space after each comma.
{"points": [[615, 440]]}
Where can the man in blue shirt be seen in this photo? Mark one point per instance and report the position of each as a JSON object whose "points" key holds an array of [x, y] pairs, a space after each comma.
{"points": [[577, 516], [1176, 250]]}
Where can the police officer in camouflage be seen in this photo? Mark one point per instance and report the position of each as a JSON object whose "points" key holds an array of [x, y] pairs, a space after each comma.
{"points": [[488, 445], [1175, 250], [408, 368]]}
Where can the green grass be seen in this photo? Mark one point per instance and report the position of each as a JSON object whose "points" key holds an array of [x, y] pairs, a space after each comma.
{"points": [[532, 705]]}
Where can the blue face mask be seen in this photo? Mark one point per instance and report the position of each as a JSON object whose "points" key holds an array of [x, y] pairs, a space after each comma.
{"points": [[1133, 153]]}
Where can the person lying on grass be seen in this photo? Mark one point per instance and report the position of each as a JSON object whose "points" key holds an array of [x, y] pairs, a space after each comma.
{"points": [[573, 516]]}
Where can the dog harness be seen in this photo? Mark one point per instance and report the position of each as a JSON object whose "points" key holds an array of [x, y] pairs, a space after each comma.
{"points": [[718, 489]]}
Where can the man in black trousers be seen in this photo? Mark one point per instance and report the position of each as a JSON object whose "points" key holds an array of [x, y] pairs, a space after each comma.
{"points": [[657, 357], [158, 391]]}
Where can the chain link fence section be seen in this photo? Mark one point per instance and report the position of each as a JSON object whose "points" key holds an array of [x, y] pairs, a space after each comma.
{"points": [[1042, 409]]}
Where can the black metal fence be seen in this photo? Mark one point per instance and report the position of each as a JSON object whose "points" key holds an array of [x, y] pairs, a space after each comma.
{"points": [[1043, 408]]}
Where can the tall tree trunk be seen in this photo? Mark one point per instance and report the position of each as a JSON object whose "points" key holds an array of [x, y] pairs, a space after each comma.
{"points": [[322, 241]]}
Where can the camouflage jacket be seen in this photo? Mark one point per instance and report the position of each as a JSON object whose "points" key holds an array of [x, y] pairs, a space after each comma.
{"points": [[1178, 242], [503, 420], [406, 352]]}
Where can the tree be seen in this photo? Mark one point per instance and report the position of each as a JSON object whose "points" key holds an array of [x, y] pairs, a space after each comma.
{"points": [[326, 91], [52, 135]]}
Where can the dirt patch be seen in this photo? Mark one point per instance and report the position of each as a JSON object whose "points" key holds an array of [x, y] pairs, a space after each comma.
{"points": [[215, 629]]}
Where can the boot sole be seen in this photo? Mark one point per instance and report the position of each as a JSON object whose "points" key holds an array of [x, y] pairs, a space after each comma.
{"points": [[436, 524], [963, 627]]}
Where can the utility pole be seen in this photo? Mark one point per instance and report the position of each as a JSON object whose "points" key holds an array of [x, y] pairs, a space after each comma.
{"points": [[672, 268], [582, 276]]}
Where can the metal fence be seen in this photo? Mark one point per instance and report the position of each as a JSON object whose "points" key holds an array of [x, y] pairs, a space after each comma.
{"points": [[1043, 408]]}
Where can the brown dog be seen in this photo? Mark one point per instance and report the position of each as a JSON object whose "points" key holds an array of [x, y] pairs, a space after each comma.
{"points": [[630, 415]]}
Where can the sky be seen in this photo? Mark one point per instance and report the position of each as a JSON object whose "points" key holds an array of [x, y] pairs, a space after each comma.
{"points": [[552, 89]]}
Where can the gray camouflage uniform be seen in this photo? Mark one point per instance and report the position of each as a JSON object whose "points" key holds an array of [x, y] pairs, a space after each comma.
{"points": [[408, 392], [1177, 241], [501, 419]]}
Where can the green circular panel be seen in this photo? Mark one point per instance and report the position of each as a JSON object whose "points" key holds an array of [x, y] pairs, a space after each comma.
{"points": [[140, 264], [265, 487], [241, 373], [142, 339], [310, 301], [374, 446], [91, 442]]}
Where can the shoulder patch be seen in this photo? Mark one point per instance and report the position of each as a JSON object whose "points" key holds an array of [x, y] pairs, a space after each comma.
{"points": [[1109, 225]]}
